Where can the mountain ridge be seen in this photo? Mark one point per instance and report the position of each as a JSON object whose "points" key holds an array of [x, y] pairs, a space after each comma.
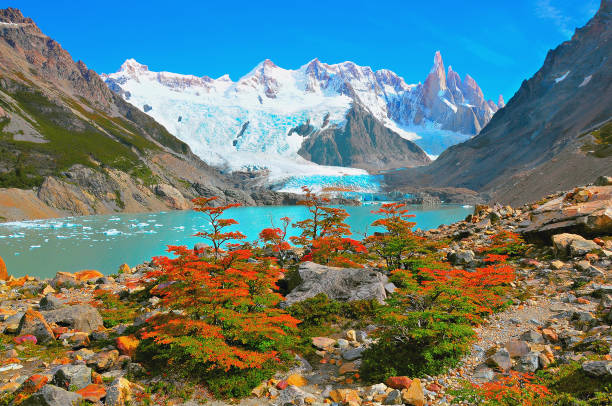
{"points": [[540, 142], [259, 112], [77, 148]]}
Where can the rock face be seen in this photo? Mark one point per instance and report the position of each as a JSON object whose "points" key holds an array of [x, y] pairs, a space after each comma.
{"points": [[538, 143], [589, 214], [363, 142], [344, 284], [83, 318]]}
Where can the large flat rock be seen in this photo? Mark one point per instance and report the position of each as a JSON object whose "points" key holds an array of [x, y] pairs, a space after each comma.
{"points": [[344, 284]]}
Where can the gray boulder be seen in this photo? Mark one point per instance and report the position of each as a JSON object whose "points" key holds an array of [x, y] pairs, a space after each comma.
{"points": [[532, 336], [51, 395], [50, 302], [461, 257], [529, 362], [353, 353], [72, 375], [83, 318], [598, 368], [500, 359], [344, 284]]}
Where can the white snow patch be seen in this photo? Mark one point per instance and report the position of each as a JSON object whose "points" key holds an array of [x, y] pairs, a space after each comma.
{"points": [[561, 78], [449, 104], [586, 80]]}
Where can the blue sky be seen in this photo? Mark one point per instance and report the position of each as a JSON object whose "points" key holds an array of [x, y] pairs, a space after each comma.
{"points": [[499, 43]]}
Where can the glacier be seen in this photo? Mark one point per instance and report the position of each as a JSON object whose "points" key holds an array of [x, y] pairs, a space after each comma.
{"points": [[258, 123]]}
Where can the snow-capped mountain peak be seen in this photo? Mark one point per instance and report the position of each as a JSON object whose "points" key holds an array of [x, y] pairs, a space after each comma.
{"points": [[244, 123]]}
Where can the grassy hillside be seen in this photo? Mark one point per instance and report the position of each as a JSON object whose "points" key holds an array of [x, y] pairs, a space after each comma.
{"points": [[75, 134]]}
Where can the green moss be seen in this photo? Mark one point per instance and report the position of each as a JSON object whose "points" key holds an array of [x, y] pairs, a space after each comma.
{"points": [[601, 147], [118, 200], [570, 385]]}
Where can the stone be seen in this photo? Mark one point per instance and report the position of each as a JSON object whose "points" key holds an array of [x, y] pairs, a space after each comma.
{"points": [[87, 275], [92, 393], [120, 392], [296, 380], [343, 284], [566, 215], [83, 318], [172, 196], [343, 344], [414, 394], [550, 334], [72, 375], [31, 385], [398, 382], [65, 280], [104, 360], [483, 373], [528, 362], [34, 323], [79, 340], [603, 181], [291, 395], [351, 335], [500, 359], [125, 268], [323, 342], [393, 398], [461, 257], [3, 270], [353, 353], [50, 302], [598, 368], [127, 345], [517, 348], [51, 395], [12, 322], [532, 336], [582, 247], [556, 264], [348, 368], [543, 360]]}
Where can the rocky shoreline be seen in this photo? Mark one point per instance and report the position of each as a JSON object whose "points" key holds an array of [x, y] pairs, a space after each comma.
{"points": [[61, 346]]}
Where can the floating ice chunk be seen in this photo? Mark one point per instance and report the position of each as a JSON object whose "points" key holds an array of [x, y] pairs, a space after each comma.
{"points": [[112, 231]]}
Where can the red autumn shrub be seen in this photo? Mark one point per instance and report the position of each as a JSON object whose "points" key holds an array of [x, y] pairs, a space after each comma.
{"points": [[223, 313]]}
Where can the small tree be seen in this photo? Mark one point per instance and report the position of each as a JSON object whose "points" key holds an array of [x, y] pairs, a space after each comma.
{"points": [[325, 233], [275, 239], [397, 241], [218, 236]]}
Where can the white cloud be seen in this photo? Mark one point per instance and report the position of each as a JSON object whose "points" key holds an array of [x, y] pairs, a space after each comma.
{"points": [[566, 15], [546, 10]]}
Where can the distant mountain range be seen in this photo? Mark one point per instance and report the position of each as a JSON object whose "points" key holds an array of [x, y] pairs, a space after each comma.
{"points": [[554, 134], [339, 115]]}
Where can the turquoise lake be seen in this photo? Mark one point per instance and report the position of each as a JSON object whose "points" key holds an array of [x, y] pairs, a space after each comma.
{"points": [[43, 247]]}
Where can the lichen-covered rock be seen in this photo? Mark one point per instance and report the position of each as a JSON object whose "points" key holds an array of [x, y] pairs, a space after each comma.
{"points": [[34, 323], [51, 395], [344, 284], [598, 368], [78, 376], [83, 318]]}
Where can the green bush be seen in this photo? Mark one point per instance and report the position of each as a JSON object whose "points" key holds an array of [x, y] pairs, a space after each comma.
{"points": [[416, 344]]}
